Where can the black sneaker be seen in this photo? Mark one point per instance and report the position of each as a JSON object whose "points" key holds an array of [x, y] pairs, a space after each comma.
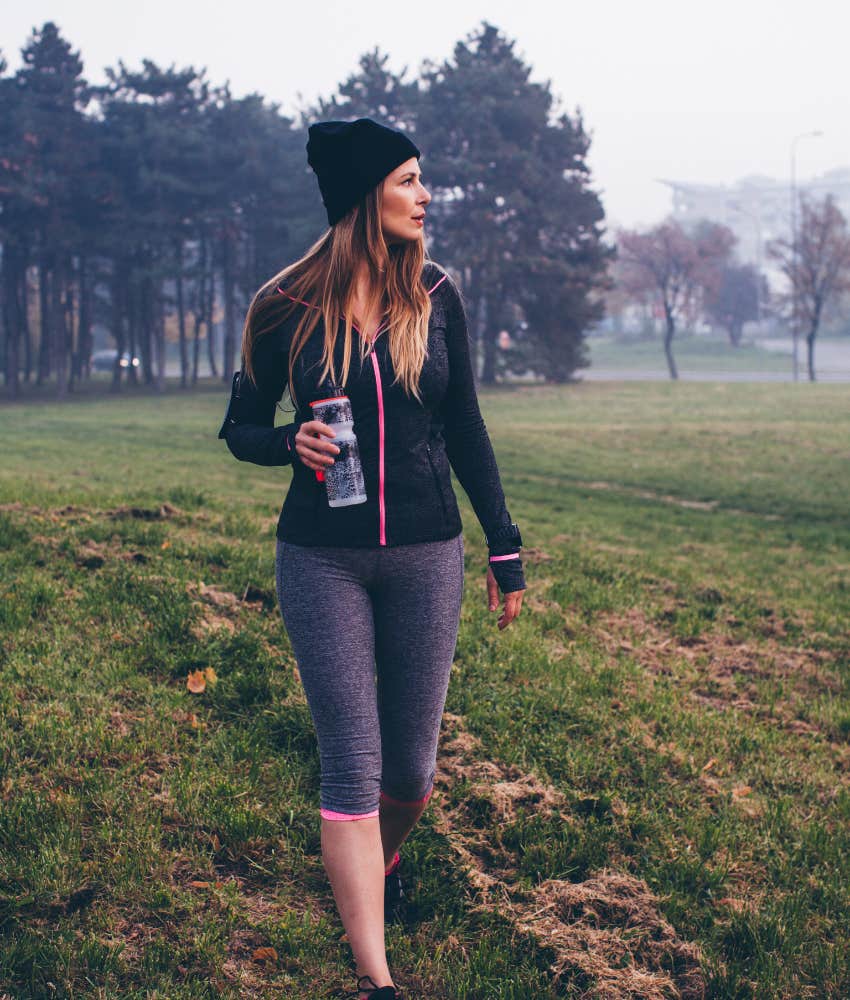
{"points": [[378, 993], [394, 894]]}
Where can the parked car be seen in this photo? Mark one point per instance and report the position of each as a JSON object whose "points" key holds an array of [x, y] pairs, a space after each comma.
{"points": [[104, 361]]}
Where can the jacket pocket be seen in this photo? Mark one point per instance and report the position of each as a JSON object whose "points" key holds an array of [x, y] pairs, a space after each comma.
{"points": [[437, 482]]}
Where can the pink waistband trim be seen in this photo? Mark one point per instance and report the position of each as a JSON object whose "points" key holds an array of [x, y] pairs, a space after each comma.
{"points": [[330, 814], [512, 555]]}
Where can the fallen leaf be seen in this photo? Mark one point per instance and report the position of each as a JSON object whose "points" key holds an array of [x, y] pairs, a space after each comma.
{"points": [[264, 955], [210, 675], [710, 764], [741, 790], [200, 885], [166, 545], [196, 681]]}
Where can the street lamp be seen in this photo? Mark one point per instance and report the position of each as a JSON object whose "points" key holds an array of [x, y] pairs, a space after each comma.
{"points": [[794, 330]]}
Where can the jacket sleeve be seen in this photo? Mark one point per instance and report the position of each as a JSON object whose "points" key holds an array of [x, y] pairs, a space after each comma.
{"points": [[469, 448], [248, 426]]}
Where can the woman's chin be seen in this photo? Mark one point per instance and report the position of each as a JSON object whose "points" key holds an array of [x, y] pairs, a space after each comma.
{"points": [[405, 237]]}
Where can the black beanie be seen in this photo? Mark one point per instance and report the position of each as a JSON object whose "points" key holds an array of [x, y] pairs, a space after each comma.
{"points": [[350, 158]]}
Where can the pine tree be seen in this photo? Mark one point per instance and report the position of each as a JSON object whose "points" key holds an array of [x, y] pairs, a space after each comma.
{"points": [[515, 215]]}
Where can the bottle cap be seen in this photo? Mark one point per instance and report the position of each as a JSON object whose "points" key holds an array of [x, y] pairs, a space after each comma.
{"points": [[328, 391]]}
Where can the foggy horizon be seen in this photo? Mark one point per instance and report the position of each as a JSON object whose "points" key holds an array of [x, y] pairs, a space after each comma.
{"points": [[669, 94]]}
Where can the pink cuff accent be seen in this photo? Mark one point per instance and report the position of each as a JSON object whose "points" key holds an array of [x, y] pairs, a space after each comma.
{"points": [[330, 814], [513, 555], [416, 802]]}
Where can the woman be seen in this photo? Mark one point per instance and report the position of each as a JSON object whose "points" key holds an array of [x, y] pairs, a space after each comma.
{"points": [[376, 587]]}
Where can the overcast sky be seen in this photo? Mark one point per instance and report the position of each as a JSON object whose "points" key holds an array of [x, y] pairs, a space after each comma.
{"points": [[707, 92]]}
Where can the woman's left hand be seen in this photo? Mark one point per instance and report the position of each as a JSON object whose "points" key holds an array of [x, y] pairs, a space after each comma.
{"points": [[513, 600]]}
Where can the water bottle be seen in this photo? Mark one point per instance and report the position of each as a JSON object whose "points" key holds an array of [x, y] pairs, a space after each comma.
{"points": [[344, 480]]}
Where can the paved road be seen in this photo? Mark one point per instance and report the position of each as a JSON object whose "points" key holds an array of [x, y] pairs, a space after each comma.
{"points": [[662, 374], [832, 364]]}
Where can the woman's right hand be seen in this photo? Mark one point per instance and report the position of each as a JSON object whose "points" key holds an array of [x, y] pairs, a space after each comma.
{"points": [[312, 448]]}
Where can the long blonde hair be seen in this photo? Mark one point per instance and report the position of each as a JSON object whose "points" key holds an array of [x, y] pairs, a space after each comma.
{"points": [[325, 278]]}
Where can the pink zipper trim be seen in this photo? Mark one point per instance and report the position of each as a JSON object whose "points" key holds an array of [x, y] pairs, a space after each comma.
{"points": [[382, 506]]}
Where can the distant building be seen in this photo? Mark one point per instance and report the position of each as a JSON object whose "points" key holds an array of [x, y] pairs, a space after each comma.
{"points": [[757, 209]]}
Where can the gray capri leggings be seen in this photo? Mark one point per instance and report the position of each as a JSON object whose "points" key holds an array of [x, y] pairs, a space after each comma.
{"points": [[374, 634]]}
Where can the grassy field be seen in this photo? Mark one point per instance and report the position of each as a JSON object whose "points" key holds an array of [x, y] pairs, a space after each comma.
{"points": [[643, 781], [691, 353]]}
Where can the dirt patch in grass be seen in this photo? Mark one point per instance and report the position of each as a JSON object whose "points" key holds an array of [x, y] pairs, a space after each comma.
{"points": [[92, 554], [220, 609], [724, 671], [669, 498], [164, 511], [606, 933]]}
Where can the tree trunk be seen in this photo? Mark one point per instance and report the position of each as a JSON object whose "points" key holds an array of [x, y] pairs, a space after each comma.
{"points": [[229, 312], [59, 328], [12, 274], [209, 312], [181, 316], [44, 320], [25, 300], [196, 343], [199, 286], [810, 350], [145, 316], [794, 351], [118, 298], [736, 332], [158, 305], [489, 342], [669, 333], [71, 322], [85, 341]]}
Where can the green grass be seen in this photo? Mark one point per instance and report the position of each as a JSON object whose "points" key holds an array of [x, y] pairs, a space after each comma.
{"points": [[678, 681], [691, 352]]}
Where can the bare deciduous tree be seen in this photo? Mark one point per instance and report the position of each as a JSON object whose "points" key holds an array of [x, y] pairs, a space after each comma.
{"points": [[819, 272], [676, 266]]}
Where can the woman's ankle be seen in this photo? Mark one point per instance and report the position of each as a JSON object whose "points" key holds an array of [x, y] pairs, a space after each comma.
{"points": [[372, 983]]}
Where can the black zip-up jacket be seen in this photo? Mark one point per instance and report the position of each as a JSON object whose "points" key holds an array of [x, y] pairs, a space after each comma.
{"points": [[407, 448]]}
